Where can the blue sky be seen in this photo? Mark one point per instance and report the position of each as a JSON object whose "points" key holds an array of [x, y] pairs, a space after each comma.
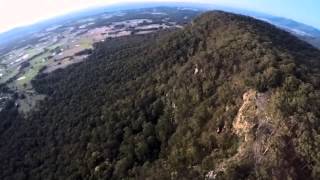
{"points": [[305, 11], [15, 13]]}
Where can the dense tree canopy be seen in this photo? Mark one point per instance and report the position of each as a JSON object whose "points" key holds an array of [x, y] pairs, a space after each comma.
{"points": [[161, 106]]}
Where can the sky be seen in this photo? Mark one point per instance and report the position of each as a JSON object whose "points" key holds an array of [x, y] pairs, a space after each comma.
{"points": [[14, 13]]}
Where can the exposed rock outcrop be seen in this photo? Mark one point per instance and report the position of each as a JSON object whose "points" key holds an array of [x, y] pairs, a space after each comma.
{"points": [[254, 126]]}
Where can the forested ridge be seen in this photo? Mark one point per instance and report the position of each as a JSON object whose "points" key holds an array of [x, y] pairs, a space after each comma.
{"points": [[164, 106]]}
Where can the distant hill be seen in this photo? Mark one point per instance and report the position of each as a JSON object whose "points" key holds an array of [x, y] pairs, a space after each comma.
{"points": [[303, 31], [295, 27], [227, 97], [299, 29]]}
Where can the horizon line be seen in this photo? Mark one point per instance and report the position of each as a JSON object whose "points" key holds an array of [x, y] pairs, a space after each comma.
{"points": [[156, 4]]}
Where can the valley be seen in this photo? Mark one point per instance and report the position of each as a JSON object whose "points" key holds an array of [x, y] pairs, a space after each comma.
{"points": [[61, 45]]}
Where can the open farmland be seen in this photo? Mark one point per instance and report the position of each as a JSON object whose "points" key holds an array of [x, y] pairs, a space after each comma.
{"points": [[65, 43]]}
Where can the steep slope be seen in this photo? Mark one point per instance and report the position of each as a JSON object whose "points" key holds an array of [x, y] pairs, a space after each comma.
{"points": [[228, 97]]}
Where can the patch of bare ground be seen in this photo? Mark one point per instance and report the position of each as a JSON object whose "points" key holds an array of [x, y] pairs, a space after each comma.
{"points": [[64, 63]]}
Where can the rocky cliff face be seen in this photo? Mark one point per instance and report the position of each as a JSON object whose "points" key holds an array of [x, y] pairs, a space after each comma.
{"points": [[254, 127], [264, 138]]}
